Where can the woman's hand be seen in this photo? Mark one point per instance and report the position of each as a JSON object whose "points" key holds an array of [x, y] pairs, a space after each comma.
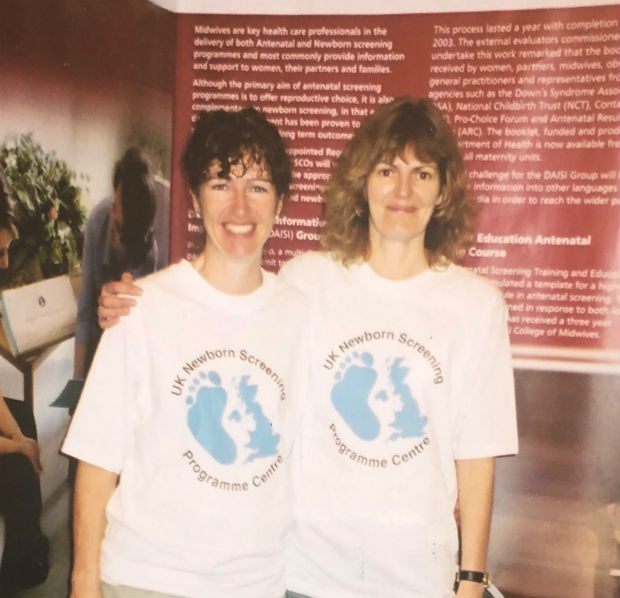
{"points": [[115, 300], [470, 589], [30, 448]]}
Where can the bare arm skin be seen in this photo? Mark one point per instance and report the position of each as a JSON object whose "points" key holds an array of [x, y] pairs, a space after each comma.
{"points": [[13, 441], [475, 478], [93, 488]]}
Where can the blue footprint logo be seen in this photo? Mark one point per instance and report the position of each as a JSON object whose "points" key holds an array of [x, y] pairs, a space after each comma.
{"points": [[205, 416], [350, 395]]}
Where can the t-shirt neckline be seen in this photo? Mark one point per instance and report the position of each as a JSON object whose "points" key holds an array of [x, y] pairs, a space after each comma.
{"points": [[379, 285], [234, 304]]}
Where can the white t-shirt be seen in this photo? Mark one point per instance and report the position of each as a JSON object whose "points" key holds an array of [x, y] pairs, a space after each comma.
{"points": [[192, 399], [406, 377]]}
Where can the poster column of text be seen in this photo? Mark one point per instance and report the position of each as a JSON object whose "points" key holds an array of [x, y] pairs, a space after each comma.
{"points": [[534, 97], [535, 100]]}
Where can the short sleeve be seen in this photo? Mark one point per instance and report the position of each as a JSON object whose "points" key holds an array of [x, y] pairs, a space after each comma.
{"points": [[486, 423], [99, 431], [292, 272]]}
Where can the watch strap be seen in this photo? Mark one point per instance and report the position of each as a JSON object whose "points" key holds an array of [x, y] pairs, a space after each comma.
{"points": [[475, 576]]}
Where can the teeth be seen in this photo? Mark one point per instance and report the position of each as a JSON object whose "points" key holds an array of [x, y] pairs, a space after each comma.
{"points": [[239, 229]]}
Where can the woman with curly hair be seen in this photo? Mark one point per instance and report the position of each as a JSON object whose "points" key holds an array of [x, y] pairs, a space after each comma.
{"points": [[410, 380], [184, 429]]}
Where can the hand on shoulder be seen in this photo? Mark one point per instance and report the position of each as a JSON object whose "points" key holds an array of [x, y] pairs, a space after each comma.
{"points": [[116, 300]]}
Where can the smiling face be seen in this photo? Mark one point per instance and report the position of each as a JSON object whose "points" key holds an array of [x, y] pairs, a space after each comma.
{"points": [[238, 212], [402, 194]]}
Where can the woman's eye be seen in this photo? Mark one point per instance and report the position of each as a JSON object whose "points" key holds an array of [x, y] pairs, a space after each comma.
{"points": [[385, 171], [259, 189]]}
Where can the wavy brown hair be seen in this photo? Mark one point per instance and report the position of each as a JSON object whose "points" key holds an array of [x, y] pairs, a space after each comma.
{"points": [[403, 123]]}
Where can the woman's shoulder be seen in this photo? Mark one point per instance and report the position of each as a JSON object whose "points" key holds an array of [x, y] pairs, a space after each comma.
{"points": [[306, 270], [170, 275], [468, 285], [309, 261]]}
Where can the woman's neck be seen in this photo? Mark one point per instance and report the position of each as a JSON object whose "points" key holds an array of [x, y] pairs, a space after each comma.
{"points": [[231, 278], [397, 261]]}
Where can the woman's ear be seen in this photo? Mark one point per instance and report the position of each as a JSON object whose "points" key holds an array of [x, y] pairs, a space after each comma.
{"points": [[439, 200], [195, 203], [279, 206], [439, 206]]}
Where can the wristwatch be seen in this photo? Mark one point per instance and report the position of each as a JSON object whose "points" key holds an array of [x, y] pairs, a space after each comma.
{"points": [[475, 576]]}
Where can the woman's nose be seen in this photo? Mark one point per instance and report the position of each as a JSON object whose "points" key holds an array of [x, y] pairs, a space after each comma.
{"points": [[404, 185], [240, 196]]}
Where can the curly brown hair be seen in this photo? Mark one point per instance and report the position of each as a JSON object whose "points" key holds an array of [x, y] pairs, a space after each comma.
{"points": [[231, 137], [403, 123]]}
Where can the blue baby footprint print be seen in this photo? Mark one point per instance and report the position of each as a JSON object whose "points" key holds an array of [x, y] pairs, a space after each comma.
{"points": [[204, 419], [351, 393]]}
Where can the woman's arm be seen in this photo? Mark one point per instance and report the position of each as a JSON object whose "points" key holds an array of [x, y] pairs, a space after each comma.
{"points": [[13, 441], [93, 488], [8, 426], [475, 479]]}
